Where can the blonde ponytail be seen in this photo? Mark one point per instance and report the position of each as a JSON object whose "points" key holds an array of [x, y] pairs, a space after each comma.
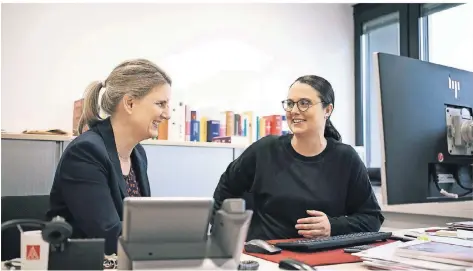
{"points": [[91, 109]]}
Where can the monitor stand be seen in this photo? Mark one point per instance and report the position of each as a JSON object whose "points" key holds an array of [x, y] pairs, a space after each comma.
{"points": [[450, 180]]}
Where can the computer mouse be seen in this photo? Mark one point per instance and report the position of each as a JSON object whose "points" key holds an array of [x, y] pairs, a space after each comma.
{"points": [[261, 246], [292, 264]]}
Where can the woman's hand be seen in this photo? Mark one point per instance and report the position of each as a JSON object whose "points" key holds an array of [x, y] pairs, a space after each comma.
{"points": [[317, 225]]}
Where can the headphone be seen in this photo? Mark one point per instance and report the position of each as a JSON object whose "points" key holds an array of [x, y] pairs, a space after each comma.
{"points": [[55, 232]]}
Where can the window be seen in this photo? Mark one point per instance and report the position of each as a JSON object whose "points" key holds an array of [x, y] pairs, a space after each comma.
{"points": [[379, 35], [446, 35], [439, 33]]}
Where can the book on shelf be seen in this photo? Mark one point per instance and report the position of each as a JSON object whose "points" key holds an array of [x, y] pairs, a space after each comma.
{"points": [[76, 114], [192, 124], [163, 130], [231, 139]]}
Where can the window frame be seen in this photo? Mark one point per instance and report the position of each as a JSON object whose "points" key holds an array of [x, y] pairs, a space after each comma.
{"points": [[410, 46]]}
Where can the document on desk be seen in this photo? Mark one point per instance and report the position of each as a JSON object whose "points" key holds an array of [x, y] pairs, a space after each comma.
{"points": [[437, 252], [385, 257], [461, 238], [467, 225], [452, 240], [463, 234]]}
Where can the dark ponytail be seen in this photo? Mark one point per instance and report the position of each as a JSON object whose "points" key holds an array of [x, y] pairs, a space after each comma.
{"points": [[330, 131]]}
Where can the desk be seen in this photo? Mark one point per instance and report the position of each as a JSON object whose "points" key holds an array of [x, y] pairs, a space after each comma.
{"points": [[267, 265]]}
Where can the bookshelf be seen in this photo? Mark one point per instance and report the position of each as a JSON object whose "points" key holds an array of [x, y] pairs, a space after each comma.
{"points": [[192, 124]]}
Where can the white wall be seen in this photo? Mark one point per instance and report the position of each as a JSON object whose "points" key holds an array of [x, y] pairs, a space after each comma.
{"points": [[234, 56]]}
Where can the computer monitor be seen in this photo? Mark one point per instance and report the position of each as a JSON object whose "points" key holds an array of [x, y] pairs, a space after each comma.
{"points": [[426, 123]]}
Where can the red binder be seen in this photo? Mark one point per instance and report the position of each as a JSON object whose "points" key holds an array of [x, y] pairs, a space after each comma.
{"points": [[336, 256]]}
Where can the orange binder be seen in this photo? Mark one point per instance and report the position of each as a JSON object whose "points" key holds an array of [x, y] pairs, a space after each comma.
{"points": [[336, 256]]}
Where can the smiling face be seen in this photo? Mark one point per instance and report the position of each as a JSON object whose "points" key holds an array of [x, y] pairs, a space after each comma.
{"points": [[308, 113], [148, 112]]}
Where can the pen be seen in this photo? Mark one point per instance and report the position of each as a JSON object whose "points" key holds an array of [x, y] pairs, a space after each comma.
{"points": [[436, 230], [401, 238]]}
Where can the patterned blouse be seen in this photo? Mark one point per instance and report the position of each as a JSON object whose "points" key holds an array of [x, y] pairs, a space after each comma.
{"points": [[132, 186]]}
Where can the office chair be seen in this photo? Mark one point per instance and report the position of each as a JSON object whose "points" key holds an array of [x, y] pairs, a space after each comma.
{"points": [[18, 207]]}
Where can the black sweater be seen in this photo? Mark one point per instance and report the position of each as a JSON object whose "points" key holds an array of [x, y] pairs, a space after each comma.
{"points": [[284, 184]]}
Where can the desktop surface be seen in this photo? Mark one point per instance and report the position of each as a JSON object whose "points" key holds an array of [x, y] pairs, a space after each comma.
{"points": [[267, 265], [354, 266], [324, 250]]}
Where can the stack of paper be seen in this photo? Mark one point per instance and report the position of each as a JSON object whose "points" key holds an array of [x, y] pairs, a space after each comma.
{"points": [[438, 252], [418, 254], [465, 225]]}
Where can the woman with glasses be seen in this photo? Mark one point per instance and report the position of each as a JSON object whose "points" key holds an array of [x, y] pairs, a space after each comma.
{"points": [[305, 184]]}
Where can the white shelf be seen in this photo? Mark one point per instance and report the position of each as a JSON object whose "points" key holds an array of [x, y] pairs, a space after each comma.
{"points": [[145, 142]]}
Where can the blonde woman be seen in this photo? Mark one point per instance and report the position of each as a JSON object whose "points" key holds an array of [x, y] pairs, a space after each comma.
{"points": [[105, 164]]}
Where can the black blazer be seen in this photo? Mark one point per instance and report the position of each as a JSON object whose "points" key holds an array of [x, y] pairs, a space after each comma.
{"points": [[89, 188]]}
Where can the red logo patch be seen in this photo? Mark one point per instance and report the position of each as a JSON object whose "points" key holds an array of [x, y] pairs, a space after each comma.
{"points": [[33, 252]]}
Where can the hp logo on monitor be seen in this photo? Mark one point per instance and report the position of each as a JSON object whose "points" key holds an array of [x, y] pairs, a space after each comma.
{"points": [[454, 85]]}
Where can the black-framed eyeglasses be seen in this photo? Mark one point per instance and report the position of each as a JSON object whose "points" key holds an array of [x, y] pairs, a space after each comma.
{"points": [[303, 104]]}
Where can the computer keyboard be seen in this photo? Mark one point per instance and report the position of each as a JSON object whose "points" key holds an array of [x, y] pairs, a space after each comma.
{"points": [[333, 242]]}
